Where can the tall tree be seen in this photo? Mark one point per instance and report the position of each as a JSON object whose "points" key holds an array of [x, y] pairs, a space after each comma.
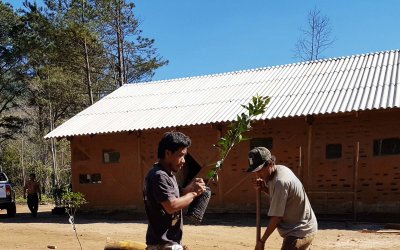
{"points": [[54, 59], [132, 57], [315, 38], [51, 79], [77, 18], [54, 91], [12, 69]]}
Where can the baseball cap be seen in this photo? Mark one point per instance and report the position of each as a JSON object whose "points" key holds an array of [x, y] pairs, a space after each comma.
{"points": [[257, 157]]}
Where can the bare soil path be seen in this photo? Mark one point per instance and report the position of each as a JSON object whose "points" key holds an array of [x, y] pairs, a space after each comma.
{"points": [[222, 232]]}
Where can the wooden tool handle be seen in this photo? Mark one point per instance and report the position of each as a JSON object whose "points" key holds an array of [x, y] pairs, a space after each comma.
{"points": [[258, 214]]}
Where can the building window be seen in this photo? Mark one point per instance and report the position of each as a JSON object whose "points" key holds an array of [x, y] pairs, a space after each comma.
{"points": [[333, 151], [111, 156], [261, 142], [387, 146], [90, 178]]}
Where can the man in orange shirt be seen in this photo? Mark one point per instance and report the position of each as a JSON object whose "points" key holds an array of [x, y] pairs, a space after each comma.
{"points": [[32, 188]]}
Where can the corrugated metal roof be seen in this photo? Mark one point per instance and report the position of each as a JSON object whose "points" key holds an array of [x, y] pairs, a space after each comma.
{"points": [[360, 82]]}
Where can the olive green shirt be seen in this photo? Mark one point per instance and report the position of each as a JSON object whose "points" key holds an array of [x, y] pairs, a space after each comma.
{"points": [[289, 201]]}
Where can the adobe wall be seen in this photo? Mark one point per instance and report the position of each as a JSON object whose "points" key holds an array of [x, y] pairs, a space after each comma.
{"points": [[120, 182], [378, 182], [358, 182], [298, 143]]}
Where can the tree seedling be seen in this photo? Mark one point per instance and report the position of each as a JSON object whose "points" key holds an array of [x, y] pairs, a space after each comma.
{"points": [[73, 200], [237, 128]]}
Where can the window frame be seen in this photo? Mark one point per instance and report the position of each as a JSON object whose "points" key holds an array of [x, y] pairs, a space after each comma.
{"points": [[330, 153], [378, 146], [90, 178], [110, 156]]}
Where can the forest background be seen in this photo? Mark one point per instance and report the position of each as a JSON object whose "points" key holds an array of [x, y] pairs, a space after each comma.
{"points": [[55, 60]]}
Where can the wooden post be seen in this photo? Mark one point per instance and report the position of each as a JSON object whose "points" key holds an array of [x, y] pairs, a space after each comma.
{"points": [[219, 185], [299, 169], [355, 182], [139, 159], [258, 214], [310, 121]]}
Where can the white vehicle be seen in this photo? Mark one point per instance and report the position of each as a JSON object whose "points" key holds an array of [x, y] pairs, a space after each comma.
{"points": [[7, 195]]}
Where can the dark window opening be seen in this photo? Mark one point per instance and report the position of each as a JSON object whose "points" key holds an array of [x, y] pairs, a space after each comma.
{"points": [[261, 142], [111, 157], [387, 146], [193, 168], [333, 151], [188, 171], [90, 178]]}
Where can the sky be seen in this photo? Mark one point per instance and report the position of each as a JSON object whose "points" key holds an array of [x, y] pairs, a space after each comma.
{"points": [[216, 36]]}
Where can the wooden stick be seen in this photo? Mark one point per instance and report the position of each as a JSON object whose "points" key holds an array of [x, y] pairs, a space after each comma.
{"points": [[258, 214], [125, 245]]}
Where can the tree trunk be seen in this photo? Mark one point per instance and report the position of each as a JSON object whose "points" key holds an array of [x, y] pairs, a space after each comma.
{"points": [[87, 63], [53, 150], [88, 75], [120, 45]]}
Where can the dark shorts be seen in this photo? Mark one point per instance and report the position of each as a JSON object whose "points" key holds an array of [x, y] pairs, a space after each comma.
{"points": [[294, 243], [164, 247]]}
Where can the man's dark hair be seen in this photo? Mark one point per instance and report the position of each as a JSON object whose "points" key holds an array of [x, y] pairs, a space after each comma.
{"points": [[172, 141], [32, 175]]}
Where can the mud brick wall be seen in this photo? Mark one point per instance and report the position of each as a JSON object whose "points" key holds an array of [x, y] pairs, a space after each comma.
{"points": [[378, 186], [357, 181], [289, 141], [330, 182], [120, 185]]}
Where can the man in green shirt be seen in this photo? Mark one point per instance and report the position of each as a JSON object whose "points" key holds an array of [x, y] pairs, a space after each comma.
{"points": [[290, 211]]}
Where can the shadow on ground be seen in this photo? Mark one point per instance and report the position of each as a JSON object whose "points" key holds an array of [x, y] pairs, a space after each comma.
{"points": [[224, 219]]}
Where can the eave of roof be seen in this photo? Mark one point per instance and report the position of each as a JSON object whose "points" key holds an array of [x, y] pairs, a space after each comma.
{"points": [[337, 85]]}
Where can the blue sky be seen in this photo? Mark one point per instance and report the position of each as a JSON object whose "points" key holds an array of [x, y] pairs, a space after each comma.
{"points": [[216, 36]]}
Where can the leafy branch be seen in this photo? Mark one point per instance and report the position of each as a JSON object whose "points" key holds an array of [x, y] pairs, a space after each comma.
{"points": [[73, 200], [234, 135]]}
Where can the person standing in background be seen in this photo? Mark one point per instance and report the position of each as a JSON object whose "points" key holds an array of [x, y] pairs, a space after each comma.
{"points": [[32, 188]]}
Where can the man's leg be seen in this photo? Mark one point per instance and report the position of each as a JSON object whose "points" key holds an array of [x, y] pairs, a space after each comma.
{"points": [[30, 203], [164, 247], [294, 243], [33, 202], [305, 243], [36, 205]]}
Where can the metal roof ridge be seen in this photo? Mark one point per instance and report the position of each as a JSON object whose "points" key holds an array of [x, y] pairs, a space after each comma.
{"points": [[262, 68]]}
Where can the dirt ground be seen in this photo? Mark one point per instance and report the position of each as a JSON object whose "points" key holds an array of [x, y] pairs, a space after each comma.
{"points": [[221, 232]]}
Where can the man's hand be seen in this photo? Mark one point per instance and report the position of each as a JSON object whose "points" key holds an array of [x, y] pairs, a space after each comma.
{"points": [[192, 190], [260, 184], [198, 186]]}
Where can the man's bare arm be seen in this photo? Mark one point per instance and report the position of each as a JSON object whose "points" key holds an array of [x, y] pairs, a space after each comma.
{"points": [[273, 223], [174, 205]]}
